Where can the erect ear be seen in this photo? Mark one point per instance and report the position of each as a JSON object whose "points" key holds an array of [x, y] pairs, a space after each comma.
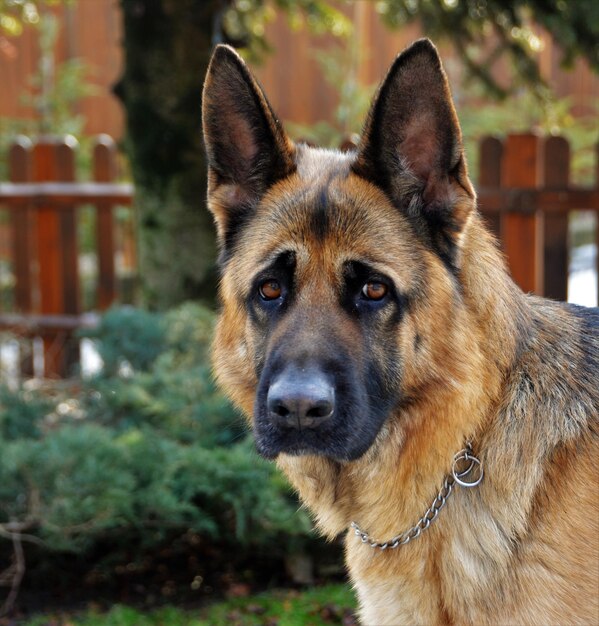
{"points": [[247, 148], [412, 147]]}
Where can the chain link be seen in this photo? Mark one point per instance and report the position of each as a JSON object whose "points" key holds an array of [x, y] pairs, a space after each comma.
{"points": [[438, 503]]}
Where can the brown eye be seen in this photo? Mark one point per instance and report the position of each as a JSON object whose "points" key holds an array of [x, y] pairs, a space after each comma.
{"points": [[375, 291], [270, 290]]}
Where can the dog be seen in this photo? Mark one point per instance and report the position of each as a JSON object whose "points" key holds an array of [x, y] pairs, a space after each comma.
{"points": [[371, 333]]}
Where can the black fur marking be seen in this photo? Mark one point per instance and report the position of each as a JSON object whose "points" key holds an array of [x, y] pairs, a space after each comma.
{"points": [[377, 158], [381, 396], [442, 230], [365, 382], [319, 218], [379, 152], [417, 342], [237, 219], [361, 400], [245, 143]]}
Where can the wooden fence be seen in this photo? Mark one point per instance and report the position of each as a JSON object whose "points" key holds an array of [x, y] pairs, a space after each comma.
{"points": [[43, 199], [524, 192]]}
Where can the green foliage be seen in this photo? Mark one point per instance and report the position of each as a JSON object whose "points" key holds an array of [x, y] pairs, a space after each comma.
{"points": [[128, 336], [483, 31], [330, 604], [80, 482], [54, 90], [244, 22], [323, 606], [88, 482], [55, 105], [145, 451], [21, 414], [15, 14], [156, 374]]}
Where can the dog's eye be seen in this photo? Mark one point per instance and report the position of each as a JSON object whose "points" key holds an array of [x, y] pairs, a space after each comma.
{"points": [[270, 290], [374, 291]]}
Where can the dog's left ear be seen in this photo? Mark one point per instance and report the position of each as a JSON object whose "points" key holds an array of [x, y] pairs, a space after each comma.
{"points": [[412, 148]]}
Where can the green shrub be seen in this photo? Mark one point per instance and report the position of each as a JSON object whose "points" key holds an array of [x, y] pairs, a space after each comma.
{"points": [[81, 482], [142, 454], [167, 384], [21, 414], [128, 336]]}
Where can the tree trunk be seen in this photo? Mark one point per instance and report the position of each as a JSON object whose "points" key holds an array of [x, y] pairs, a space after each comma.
{"points": [[167, 45]]}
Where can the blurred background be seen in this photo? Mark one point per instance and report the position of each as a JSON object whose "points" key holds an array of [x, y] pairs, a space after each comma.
{"points": [[130, 492]]}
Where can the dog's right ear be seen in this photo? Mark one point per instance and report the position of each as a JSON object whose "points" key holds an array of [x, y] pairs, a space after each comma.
{"points": [[247, 148]]}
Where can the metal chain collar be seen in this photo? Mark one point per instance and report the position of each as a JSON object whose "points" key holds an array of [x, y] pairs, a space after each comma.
{"points": [[438, 503]]}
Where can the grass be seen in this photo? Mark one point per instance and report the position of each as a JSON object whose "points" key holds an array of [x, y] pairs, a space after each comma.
{"points": [[323, 606]]}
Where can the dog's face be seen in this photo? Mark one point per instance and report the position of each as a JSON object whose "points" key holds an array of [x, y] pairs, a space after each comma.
{"points": [[340, 272]]}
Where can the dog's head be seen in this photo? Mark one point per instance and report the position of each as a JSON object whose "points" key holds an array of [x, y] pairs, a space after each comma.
{"points": [[340, 272]]}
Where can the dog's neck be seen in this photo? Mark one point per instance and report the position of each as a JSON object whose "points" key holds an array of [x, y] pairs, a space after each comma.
{"points": [[401, 473]]}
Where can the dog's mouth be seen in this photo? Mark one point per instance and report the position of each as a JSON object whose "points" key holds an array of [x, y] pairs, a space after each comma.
{"points": [[292, 443], [272, 441]]}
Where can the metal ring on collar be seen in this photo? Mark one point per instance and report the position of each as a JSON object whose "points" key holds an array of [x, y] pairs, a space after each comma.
{"points": [[457, 476], [466, 457]]}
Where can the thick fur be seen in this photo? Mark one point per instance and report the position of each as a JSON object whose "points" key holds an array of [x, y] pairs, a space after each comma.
{"points": [[455, 352]]}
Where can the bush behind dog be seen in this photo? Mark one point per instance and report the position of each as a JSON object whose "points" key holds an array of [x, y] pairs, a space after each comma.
{"points": [[143, 453]]}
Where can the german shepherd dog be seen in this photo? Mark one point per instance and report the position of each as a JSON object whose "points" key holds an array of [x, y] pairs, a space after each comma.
{"points": [[371, 333]]}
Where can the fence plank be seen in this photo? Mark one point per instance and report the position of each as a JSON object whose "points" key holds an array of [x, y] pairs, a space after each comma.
{"points": [[23, 253], [521, 233], [49, 245], [44, 169], [105, 171], [528, 201], [489, 175], [57, 249], [556, 175], [65, 170], [19, 163], [71, 288]]}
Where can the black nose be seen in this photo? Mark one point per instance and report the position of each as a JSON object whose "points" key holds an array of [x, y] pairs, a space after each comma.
{"points": [[300, 399]]}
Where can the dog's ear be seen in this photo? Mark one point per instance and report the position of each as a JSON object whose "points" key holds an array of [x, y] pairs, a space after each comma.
{"points": [[412, 147], [247, 148]]}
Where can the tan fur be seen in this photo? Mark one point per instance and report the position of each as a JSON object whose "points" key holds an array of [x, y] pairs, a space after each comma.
{"points": [[506, 370]]}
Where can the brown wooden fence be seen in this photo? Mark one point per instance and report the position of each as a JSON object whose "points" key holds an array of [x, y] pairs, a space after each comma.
{"points": [[524, 192], [43, 199]]}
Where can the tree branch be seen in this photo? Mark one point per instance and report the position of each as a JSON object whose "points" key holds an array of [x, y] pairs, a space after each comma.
{"points": [[14, 573]]}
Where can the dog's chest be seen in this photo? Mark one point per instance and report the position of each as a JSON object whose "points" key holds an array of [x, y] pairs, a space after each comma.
{"points": [[441, 577]]}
